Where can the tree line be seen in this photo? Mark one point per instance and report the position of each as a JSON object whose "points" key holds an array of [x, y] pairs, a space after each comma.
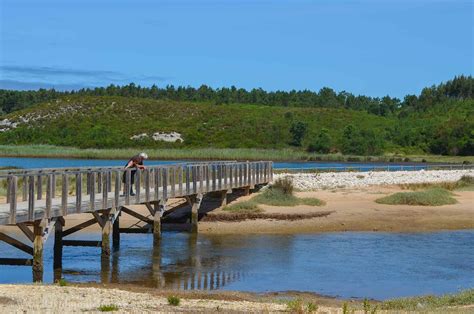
{"points": [[461, 87]]}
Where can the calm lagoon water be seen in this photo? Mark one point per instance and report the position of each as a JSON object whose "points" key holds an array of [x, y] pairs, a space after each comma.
{"points": [[29, 163], [351, 264]]}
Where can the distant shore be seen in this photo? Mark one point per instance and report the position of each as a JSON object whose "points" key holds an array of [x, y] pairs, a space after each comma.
{"points": [[49, 151]]}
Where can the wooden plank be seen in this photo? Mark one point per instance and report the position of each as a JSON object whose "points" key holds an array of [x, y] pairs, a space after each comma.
{"points": [[26, 231], [146, 177], [92, 191], [8, 190], [213, 170], [172, 181], [49, 195], [208, 179], [78, 192], [180, 180], [89, 243], [117, 189], [53, 190], [194, 172], [137, 215], [88, 183], [15, 243], [219, 177], [64, 194], [25, 189], [99, 219], [165, 183], [157, 183], [138, 178], [201, 178], [105, 190], [39, 187], [31, 197], [13, 183], [135, 230], [16, 261], [188, 181], [80, 226], [126, 187], [99, 182]]}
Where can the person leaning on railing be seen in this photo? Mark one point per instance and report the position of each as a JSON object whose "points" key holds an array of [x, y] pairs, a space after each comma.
{"points": [[136, 162]]}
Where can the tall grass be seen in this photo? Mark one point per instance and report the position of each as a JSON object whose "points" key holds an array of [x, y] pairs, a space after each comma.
{"points": [[208, 154], [464, 182], [431, 197]]}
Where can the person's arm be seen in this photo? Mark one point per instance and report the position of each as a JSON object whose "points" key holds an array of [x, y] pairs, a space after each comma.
{"points": [[130, 164], [141, 167]]}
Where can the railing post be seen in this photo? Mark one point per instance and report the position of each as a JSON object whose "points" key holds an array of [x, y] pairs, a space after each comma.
{"points": [[92, 191], [78, 192], [64, 194], [12, 191], [49, 196], [147, 184], [138, 176], [31, 198], [39, 187], [126, 186]]}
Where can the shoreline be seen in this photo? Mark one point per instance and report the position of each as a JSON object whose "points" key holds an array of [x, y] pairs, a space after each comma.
{"points": [[96, 298], [280, 155]]}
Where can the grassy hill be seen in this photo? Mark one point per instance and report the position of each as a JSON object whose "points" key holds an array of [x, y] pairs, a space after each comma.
{"points": [[446, 128], [110, 122]]}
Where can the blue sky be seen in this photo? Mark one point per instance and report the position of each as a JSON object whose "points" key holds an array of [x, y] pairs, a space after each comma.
{"points": [[364, 47]]}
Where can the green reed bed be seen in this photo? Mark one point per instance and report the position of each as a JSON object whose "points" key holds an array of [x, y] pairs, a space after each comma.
{"points": [[211, 153]]}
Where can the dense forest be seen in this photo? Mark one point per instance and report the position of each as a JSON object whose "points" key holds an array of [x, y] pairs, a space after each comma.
{"points": [[439, 121]]}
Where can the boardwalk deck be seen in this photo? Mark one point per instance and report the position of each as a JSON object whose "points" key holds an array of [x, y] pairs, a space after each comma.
{"points": [[42, 198], [33, 195]]}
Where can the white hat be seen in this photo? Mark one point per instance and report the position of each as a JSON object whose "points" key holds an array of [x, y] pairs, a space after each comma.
{"points": [[143, 155]]}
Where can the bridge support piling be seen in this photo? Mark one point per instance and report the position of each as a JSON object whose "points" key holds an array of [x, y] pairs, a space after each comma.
{"points": [[196, 203], [58, 249], [116, 233], [38, 266], [105, 253], [246, 190], [159, 209], [223, 198]]}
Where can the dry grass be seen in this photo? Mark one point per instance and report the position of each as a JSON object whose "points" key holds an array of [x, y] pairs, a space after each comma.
{"points": [[431, 197], [462, 183]]}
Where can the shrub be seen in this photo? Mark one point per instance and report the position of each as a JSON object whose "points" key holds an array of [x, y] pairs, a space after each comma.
{"points": [[285, 185], [174, 300], [108, 308], [62, 282], [295, 306]]}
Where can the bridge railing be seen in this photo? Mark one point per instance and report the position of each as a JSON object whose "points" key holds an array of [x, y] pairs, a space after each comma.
{"points": [[46, 193]]}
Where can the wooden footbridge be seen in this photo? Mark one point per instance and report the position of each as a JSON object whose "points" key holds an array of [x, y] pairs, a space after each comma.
{"points": [[37, 201]]}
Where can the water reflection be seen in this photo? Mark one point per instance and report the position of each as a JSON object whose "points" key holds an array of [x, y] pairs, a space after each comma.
{"points": [[373, 265]]}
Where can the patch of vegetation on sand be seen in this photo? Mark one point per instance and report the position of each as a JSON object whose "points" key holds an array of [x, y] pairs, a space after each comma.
{"points": [[430, 197], [465, 183], [281, 194], [426, 303], [243, 207], [108, 308]]}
